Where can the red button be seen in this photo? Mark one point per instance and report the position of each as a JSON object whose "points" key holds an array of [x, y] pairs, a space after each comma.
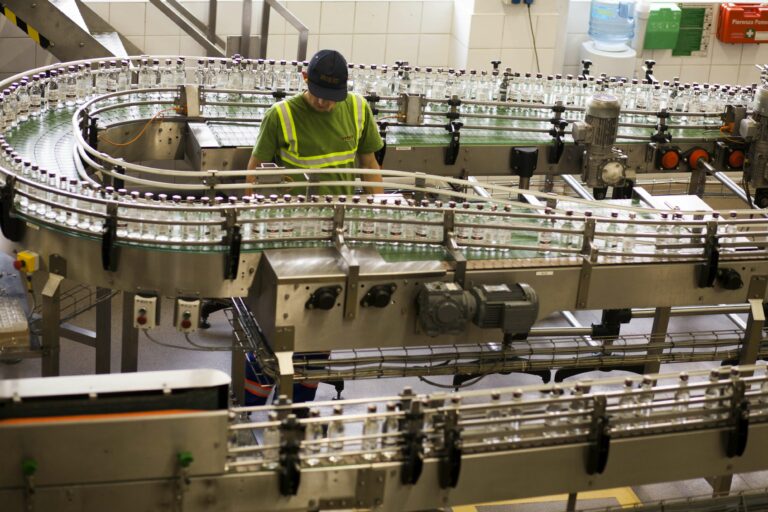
{"points": [[670, 159], [696, 155], [18, 264], [736, 159], [186, 324], [141, 320]]}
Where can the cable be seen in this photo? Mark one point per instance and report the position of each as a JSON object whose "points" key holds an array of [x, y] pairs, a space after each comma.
{"points": [[533, 36], [143, 130], [199, 348], [463, 385]]}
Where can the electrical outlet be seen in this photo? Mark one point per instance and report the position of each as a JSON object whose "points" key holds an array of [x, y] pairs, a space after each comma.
{"points": [[187, 315], [144, 312]]}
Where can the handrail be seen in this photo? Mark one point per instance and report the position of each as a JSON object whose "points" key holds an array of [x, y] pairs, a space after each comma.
{"points": [[301, 53]]}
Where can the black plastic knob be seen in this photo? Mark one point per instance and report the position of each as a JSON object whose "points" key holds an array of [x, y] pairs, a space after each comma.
{"points": [[378, 296], [729, 279], [323, 298]]}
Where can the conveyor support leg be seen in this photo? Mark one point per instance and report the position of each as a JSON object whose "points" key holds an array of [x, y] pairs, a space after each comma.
{"points": [[658, 337], [103, 330], [129, 361], [51, 297]]}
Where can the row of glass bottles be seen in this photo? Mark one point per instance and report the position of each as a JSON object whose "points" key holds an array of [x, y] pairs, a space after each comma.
{"points": [[505, 420]]}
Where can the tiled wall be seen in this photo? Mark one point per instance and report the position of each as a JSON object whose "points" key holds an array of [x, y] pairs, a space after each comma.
{"points": [[486, 30], [725, 63]]}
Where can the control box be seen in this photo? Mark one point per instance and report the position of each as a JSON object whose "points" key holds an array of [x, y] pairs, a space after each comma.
{"points": [[743, 23], [27, 262], [187, 315], [145, 312]]}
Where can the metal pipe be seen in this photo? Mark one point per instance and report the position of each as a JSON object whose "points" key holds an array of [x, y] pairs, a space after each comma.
{"points": [[212, 18], [694, 310], [245, 29], [577, 187], [265, 9], [561, 331]]}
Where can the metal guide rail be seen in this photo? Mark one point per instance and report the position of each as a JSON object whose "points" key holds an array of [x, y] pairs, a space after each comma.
{"points": [[402, 452]]}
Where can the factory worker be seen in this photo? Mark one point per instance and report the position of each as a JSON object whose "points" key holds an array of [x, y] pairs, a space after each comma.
{"points": [[325, 127]]}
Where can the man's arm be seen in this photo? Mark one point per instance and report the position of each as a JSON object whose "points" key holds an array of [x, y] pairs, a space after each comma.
{"points": [[368, 161]]}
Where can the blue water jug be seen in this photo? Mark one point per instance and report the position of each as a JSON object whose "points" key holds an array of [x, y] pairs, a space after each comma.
{"points": [[612, 24]]}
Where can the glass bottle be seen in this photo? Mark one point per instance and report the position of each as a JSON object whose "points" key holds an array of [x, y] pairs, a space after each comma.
{"points": [[682, 397], [495, 413], [627, 402], [391, 433], [516, 415], [313, 435], [271, 450], [645, 400]]}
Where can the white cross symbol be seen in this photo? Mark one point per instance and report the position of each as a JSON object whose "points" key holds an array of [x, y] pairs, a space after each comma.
{"points": [[750, 33]]}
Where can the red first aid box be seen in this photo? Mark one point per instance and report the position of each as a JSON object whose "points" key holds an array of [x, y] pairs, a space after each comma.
{"points": [[743, 23]]}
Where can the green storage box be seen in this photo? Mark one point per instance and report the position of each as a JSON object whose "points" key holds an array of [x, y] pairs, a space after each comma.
{"points": [[663, 26]]}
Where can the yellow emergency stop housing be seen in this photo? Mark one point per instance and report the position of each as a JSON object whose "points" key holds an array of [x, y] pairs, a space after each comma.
{"points": [[27, 261]]}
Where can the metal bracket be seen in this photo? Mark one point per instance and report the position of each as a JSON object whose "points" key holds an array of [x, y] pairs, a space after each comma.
{"points": [[452, 247], [235, 240], [353, 267], [110, 253], [57, 264], [289, 469], [11, 226], [413, 444], [449, 465], [737, 435], [452, 151], [369, 492], [189, 100], [599, 438], [708, 270]]}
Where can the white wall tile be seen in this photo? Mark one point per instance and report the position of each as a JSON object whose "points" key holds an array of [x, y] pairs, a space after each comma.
{"points": [[276, 47], [368, 48], [161, 45], [546, 26], [458, 55], [8, 29], [480, 58], [198, 8], [307, 12], [519, 59], [489, 7], [754, 54], [485, 30], [517, 31], [694, 73], [436, 17], [546, 61], [138, 41], [460, 24], [291, 46], [547, 6], [188, 46], [404, 17], [16, 54], [434, 49], [371, 17], [723, 74], [100, 8], [571, 70], [43, 57], [666, 71], [664, 57], [313, 45], [573, 48], [725, 53], [228, 17], [337, 18], [128, 18], [578, 17], [402, 47], [158, 24], [338, 42], [748, 74]]}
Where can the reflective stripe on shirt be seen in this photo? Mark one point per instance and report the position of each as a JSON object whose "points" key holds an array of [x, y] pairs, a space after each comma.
{"points": [[291, 154]]}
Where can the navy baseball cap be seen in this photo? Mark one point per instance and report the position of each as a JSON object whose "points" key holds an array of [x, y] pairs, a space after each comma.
{"points": [[327, 75]]}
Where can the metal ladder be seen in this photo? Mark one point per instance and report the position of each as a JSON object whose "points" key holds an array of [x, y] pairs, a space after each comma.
{"points": [[68, 29]]}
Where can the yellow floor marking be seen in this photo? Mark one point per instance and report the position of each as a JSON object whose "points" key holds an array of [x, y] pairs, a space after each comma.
{"points": [[625, 496]]}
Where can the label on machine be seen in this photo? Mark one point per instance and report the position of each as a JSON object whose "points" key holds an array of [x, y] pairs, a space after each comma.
{"points": [[743, 23]]}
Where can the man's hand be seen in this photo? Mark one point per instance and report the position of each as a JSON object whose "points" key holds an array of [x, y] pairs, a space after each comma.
{"points": [[368, 161]]}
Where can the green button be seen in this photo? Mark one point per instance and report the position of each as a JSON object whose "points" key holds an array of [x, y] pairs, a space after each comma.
{"points": [[29, 467], [185, 459]]}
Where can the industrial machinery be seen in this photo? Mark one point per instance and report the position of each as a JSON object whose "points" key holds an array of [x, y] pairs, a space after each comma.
{"points": [[181, 448], [512, 198]]}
